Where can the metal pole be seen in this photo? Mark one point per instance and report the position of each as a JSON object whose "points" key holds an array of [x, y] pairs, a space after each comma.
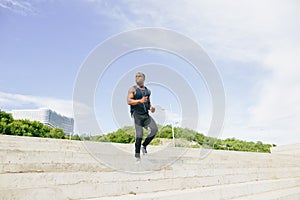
{"points": [[172, 125]]}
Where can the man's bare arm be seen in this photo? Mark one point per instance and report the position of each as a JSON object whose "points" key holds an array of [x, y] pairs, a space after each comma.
{"points": [[149, 91], [151, 108]]}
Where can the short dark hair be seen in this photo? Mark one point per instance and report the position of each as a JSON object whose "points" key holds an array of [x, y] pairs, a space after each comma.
{"points": [[141, 74]]}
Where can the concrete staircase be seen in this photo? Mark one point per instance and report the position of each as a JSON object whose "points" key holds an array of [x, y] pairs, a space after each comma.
{"points": [[39, 168]]}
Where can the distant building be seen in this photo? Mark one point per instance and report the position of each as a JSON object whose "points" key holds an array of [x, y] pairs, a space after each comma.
{"points": [[47, 117]]}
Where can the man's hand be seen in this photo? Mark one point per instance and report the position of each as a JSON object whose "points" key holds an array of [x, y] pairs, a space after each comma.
{"points": [[144, 99], [152, 109]]}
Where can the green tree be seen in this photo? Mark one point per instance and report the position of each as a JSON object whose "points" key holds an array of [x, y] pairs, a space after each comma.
{"points": [[57, 133], [102, 138], [129, 130], [16, 128], [199, 138], [5, 119], [184, 133], [120, 136], [75, 137], [165, 132]]}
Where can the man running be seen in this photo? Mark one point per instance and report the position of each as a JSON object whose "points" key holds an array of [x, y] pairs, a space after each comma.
{"points": [[139, 100]]}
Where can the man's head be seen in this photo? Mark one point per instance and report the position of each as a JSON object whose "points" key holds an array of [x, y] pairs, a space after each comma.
{"points": [[140, 79]]}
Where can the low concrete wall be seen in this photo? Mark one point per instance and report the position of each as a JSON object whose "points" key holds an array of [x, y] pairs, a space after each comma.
{"points": [[293, 149]]}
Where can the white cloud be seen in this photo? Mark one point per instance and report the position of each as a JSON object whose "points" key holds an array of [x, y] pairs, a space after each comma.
{"points": [[19, 101], [264, 32], [20, 7], [279, 105], [235, 30]]}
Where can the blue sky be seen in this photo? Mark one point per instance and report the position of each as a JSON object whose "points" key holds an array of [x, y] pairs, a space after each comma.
{"points": [[254, 45]]}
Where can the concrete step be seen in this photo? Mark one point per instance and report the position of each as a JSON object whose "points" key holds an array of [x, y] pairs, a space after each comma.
{"points": [[15, 145], [13, 180], [8, 142], [116, 183], [105, 149], [62, 169], [224, 192], [9, 157], [292, 193], [17, 156], [142, 190], [66, 161], [44, 160], [29, 143], [52, 167]]}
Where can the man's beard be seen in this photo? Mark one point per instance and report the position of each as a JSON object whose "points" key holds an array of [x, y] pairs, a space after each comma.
{"points": [[141, 83]]}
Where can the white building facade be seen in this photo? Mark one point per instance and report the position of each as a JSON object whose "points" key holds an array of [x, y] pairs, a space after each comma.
{"points": [[47, 117]]}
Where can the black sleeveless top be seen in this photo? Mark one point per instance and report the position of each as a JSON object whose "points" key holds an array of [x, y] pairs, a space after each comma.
{"points": [[141, 108]]}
